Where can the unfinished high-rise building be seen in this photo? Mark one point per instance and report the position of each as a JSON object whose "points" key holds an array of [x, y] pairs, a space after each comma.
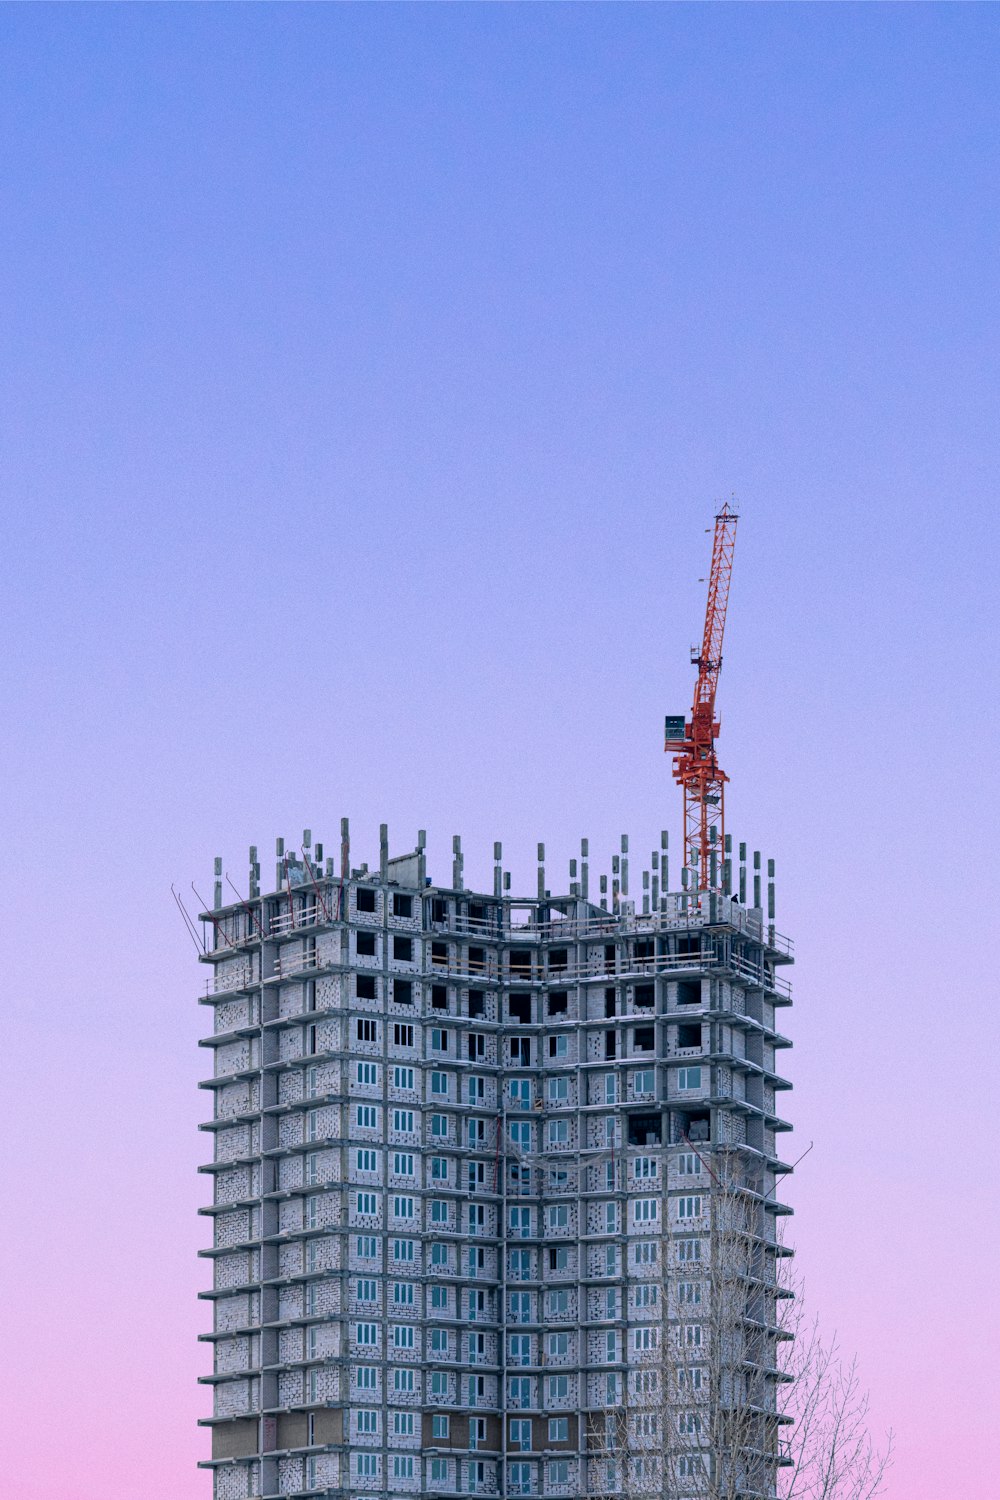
{"points": [[495, 1177], [474, 1160]]}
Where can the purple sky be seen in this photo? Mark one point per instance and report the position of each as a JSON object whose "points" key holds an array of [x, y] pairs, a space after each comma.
{"points": [[371, 375]]}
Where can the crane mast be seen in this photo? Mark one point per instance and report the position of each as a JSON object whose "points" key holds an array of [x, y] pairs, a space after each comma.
{"points": [[692, 741]]}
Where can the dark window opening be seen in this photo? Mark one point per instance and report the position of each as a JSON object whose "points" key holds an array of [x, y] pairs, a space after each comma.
{"points": [[366, 944], [477, 1046], [402, 906], [519, 1007], [558, 1258], [609, 954], [402, 948], [558, 959], [689, 1035], [609, 1044], [477, 1003], [643, 948], [439, 954], [439, 909], [477, 912], [520, 960], [439, 997], [311, 1040], [520, 1051], [477, 960], [689, 992], [558, 1003], [644, 1130], [364, 899], [402, 991], [402, 1035], [645, 996], [609, 1002], [689, 946], [364, 986], [692, 1125], [644, 1038]]}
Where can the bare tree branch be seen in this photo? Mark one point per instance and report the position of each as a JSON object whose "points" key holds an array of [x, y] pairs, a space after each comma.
{"points": [[730, 1394]]}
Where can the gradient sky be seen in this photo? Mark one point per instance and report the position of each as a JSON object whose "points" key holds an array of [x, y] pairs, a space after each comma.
{"points": [[370, 377]]}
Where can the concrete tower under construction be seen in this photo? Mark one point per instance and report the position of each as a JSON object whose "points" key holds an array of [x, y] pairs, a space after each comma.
{"points": [[479, 1164]]}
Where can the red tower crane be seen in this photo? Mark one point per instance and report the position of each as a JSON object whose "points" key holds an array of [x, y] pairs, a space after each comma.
{"points": [[696, 766]]}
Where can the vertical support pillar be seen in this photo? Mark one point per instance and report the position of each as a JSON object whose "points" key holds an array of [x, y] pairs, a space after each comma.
{"points": [[254, 874], [345, 849], [217, 902], [604, 893], [756, 879], [585, 869], [498, 870], [743, 874], [727, 865], [624, 864], [279, 869], [383, 852], [541, 872], [456, 863], [421, 858]]}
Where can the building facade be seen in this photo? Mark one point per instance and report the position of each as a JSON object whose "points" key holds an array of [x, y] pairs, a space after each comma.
{"points": [[467, 1152]]}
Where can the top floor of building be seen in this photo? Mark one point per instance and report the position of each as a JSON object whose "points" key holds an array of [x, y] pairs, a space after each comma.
{"points": [[400, 896]]}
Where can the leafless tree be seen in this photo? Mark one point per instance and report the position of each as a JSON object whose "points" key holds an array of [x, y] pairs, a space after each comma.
{"points": [[731, 1395], [829, 1452]]}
